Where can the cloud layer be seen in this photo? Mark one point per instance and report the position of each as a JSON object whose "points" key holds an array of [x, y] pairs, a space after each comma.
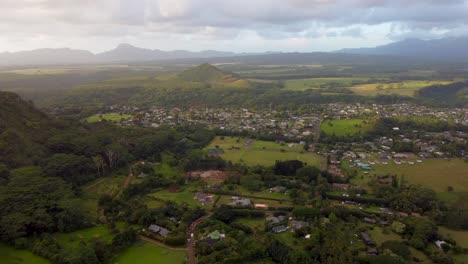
{"points": [[239, 25]]}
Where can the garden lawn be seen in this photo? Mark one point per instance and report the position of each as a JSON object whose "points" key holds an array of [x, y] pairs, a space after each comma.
{"points": [[254, 223], [10, 255], [378, 235], [346, 127], [145, 253]]}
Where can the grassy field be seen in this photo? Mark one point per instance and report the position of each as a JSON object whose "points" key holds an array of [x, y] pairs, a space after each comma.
{"points": [[255, 154], [460, 236], [254, 223], [317, 83], [184, 195], [113, 117], [106, 185], [88, 234], [345, 127], [379, 236], [437, 174], [407, 88], [10, 255], [145, 253], [226, 199]]}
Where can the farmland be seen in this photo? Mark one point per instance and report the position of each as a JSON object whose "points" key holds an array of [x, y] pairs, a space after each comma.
{"points": [[112, 117], [345, 127], [317, 83], [261, 152], [10, 255], [144, 253], [437, 174], [407, 88]]}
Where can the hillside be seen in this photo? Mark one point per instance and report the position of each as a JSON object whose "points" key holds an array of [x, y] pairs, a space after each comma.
{"points": [[207, 73], [23, 129]]}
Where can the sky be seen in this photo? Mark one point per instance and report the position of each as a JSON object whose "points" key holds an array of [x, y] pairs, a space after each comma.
{"points": [[227, 25]]}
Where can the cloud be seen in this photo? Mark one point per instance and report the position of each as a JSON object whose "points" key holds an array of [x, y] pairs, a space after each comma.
{"points": [[197, 20]]}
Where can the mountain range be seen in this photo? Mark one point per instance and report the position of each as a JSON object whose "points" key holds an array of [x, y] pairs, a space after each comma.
{"points": [[122, 53], [446, 49]]}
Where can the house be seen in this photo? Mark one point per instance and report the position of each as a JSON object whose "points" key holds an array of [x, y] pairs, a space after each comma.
{"points": [[237, 201], [272, 220], [372, 252], [340, 186], [215, 152], [279, 229], [385, 181], [299, 224], [369, 220], [159, 230], [261, 206], [278, 189], [367, 239], [204, 198]]}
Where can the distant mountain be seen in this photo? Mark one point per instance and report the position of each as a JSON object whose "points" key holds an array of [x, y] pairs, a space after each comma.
{"points": [[126, 52], [122, 53], [447, 49], [46, 56]]}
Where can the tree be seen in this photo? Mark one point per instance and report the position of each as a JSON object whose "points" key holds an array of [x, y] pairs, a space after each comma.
{"points": [[397, 248], [398, 227], [308, 174]]}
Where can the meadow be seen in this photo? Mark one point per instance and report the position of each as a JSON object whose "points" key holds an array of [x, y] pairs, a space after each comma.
{"points": [[106, 185], [112, 117], [317, 83], [406, 88], [263, 153], [345, 127], [10, 255], [73, 239], [437, 174], [185, 194], [144, 253]]}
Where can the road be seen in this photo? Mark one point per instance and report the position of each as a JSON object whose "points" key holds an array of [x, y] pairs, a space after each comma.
{"points": [[192, 259]]}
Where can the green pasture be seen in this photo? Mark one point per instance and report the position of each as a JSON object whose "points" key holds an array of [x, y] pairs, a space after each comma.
{"points": [[436, 174], [10, 255], [112, 117], [318, 83], [406, 88], [185, 194], [254, 154], [70, 240], [346, 127], [145, 253]]}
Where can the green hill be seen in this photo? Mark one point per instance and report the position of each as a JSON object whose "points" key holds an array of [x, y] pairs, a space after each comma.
{"points": [[207, 73], [23, 129]]}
